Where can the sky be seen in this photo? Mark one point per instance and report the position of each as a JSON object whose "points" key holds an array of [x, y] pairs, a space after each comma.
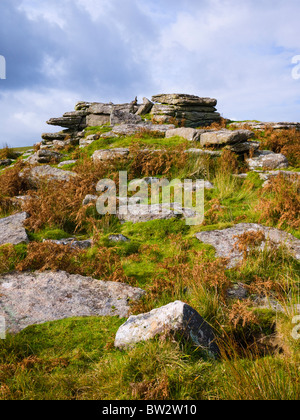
{"points": [[59, 52]]}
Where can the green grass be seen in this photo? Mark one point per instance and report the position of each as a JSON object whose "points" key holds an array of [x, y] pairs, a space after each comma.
{"points": [[76, 359]]}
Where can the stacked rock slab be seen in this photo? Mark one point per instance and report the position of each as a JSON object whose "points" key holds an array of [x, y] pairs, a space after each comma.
{"points": [[191, 110], [90, 114]]}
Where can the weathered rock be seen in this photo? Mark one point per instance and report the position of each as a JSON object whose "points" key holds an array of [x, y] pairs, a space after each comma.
{"points": [[244, 147], [66, 162], [225, 137], [89, 199], [47, 156], [144, 212], [5, 162], [238, 291], [268, 160], [177, 317], [108, 154], [71, 242], [74, 120], [189, 134], [36, 174], [262, 126], [118, 238], [145, 108], [130, 129], [183, 99], [97, 120], [35, 298], [203, 152], [225, 241], [12, 230], [123, 117]]}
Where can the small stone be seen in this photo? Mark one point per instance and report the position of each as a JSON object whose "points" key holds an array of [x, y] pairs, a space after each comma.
{"points": [[118, 238]]}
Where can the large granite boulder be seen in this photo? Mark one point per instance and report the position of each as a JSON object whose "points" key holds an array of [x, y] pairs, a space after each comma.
{"points": [[226, 241], [177, 317], [35, 298], [12, 229]]}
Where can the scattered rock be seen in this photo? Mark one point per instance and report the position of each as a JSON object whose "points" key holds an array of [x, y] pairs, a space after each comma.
{"points": [[72, 243], [225, 137], [66, 162], [190, 134], [108, 154], [224, 241], [36, 174], [262, 126], [267, 160], [35, 298], [89, 199], [177, 317], [5, 162], [238, 291], [118, 238], [245, 147], [47, 156], [137, 213], [12, 229]]}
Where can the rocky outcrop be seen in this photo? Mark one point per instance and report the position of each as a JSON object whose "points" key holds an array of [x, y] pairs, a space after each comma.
{"points": [[35, 298], [177, 317], [191, 110], [226, 241], [12, 229]]}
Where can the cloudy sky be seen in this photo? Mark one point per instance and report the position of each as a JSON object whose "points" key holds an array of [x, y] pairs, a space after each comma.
{"points": [[58, 52]]}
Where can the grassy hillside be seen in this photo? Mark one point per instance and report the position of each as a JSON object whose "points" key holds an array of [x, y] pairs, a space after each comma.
{"points": [[76, 358]]}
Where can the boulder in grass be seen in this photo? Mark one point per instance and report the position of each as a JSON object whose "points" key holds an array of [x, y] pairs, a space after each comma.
{"points": [[175, 318], [38, 173], [36, 298], [225, 241], [267, 160]]}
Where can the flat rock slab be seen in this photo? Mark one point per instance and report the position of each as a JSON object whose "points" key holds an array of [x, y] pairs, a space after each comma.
{"points": [[36, 174], [183, 99], [137, 213], [34, 298], [225, 137], [12, 229], [108, 154], [268, 160], [177, 317], [224, 241]]}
